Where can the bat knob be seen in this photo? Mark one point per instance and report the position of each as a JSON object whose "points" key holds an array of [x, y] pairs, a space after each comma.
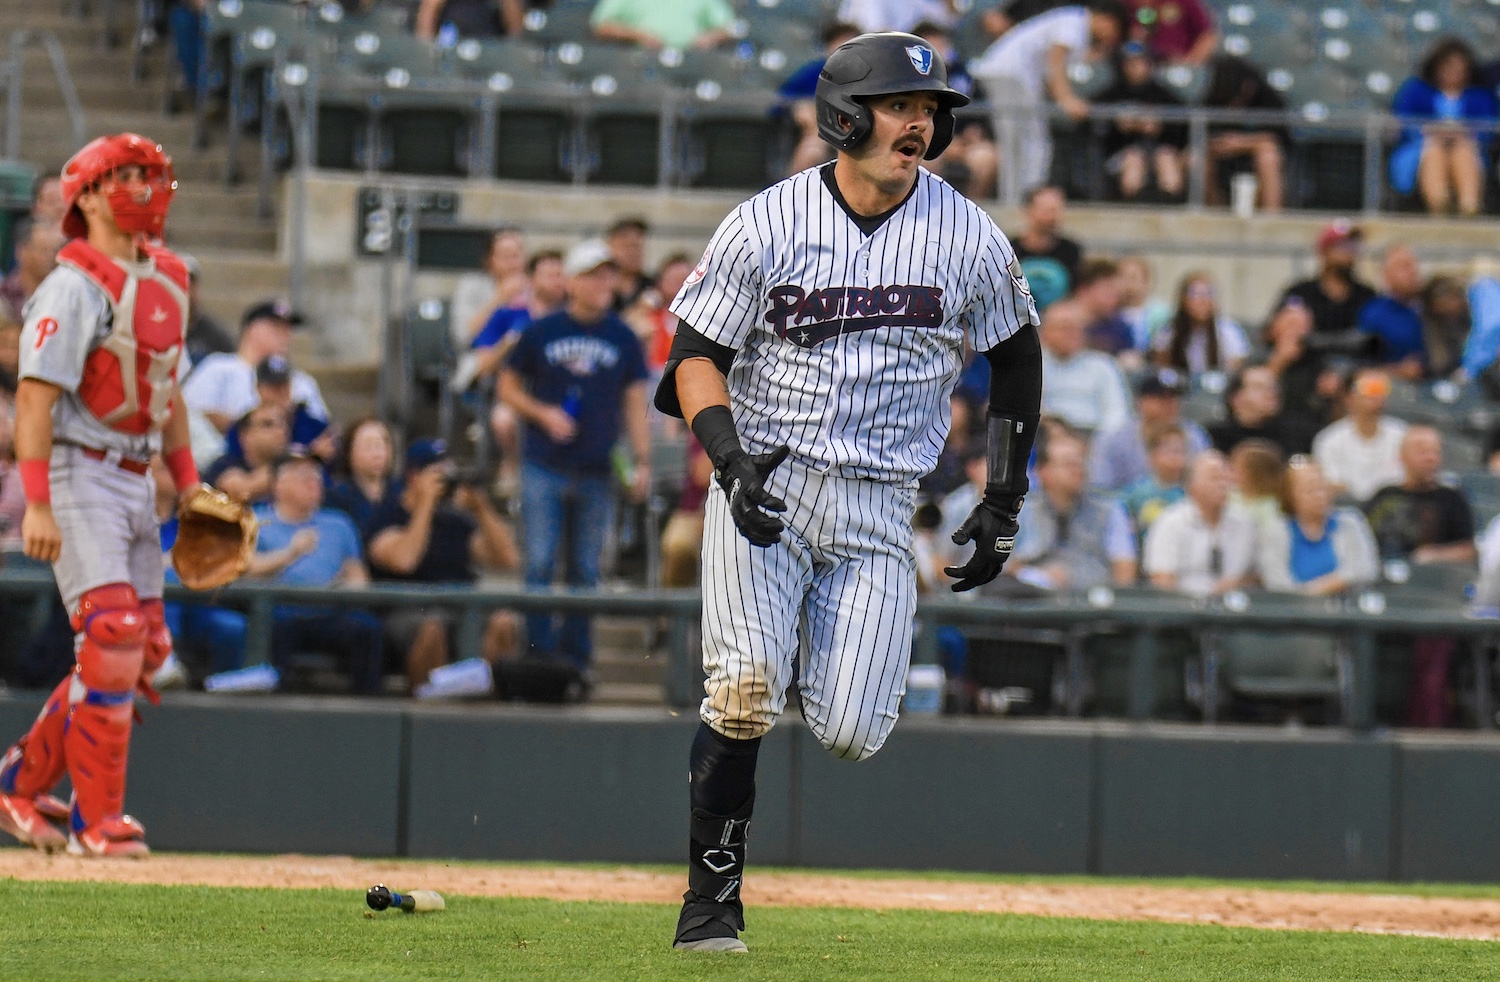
{"points": [[378, 897]]}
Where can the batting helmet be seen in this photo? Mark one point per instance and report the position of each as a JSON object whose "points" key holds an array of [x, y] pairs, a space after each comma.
{"points": [[101, 157], [882, 64]]}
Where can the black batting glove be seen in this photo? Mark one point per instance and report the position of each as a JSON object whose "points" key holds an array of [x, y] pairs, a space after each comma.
{"points": [[743, 478], [992, 527]]}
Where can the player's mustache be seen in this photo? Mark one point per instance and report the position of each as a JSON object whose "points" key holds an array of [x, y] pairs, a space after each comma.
{"points": [[911, 140]]}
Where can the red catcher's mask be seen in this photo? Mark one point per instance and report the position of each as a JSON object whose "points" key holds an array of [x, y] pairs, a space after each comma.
{"points": [[142, 209], [143, 214]]}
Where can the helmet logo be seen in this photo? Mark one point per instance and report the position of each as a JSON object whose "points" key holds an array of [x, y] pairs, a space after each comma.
{"points": [[921, 58]]}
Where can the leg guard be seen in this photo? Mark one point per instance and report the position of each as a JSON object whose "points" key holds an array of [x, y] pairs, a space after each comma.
{"points": [[111, 651], [36, 763], [723, 797], [158, 637]]}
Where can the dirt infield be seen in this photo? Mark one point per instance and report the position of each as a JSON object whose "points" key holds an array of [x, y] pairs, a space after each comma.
{"points": [[1371, 913]]}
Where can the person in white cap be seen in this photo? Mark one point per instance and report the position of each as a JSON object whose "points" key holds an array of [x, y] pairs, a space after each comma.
{"points": [[573, 378]]}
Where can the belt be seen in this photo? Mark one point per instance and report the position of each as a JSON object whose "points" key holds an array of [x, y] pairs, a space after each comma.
{"points": [[130, 464]]}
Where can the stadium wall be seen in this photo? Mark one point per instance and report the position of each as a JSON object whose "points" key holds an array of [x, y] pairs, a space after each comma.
{"points": [[322, 776]]}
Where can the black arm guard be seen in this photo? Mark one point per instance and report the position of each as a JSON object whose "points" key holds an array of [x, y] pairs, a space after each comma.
{"points": [[1015, 410], [688, 343]]}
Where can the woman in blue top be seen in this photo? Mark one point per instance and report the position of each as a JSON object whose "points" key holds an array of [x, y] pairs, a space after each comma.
{"points": [[1314, 549], [1440, 152], [365, 480]]}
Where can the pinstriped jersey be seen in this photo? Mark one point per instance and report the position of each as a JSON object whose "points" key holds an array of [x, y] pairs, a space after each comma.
{"points": [[849, 344]]}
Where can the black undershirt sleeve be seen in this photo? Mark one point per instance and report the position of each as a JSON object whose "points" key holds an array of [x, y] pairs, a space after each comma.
{"points": [[688, 343], [1015, 410]]}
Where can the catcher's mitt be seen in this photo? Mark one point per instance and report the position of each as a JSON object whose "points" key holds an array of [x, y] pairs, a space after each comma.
{"points": [[215, 539]]}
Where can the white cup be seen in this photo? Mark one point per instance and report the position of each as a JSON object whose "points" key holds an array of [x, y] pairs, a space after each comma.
{"points": [[1242, 190]]}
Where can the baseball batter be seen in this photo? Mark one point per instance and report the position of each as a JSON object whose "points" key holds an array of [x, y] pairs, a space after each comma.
{"points": [[97, 398], [819, 340]]}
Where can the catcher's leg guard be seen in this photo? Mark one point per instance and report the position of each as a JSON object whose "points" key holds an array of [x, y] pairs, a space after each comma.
{"points": [[723, 797], [158, 637], [29, 770], [111, 651]]}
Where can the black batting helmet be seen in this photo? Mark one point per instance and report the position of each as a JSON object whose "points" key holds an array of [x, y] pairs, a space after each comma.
{"points": [[882, 64]]}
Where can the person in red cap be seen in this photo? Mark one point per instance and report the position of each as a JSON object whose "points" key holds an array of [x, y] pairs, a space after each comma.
{"points": [[96, 400], [1335, 295]]}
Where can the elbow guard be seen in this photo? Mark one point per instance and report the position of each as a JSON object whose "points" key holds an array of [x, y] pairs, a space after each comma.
{"points": [[688, 343]]}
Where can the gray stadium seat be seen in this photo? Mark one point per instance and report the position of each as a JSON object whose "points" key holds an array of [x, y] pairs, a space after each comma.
{"points": [[560, 23]]}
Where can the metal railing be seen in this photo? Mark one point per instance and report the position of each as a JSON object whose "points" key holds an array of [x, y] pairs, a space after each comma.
{"points": [[13, 77], [1143, 614]]}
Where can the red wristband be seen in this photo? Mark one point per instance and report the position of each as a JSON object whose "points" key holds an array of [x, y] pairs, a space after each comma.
{"points": [[36, 481], [180, 464]]}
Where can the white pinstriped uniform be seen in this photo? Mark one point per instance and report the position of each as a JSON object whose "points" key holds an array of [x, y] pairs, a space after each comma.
{"points": [[849, 346]]}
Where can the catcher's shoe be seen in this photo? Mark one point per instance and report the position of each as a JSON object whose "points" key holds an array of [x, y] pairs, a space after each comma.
{"points": [[705, 925], [22, 818], [120, 835]]}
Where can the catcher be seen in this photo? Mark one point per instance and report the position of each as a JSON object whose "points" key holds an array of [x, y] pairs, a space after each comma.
{"points": [[98, 396]]}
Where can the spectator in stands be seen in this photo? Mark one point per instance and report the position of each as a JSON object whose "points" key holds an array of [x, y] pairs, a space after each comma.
{"points": [[1175, 31], [1073, 539], [439, 529], [1254, 404], [1029, 63], [1235, 83], [574, 378], [1421, 520], [1083, 388], [365, 478], [1442, 152], [651, 317], [1313, 548], [223, 386], [503, 286], [954, 506], [249, 473], [870, 16], [626, 240], [1361, 453], [37, 244], [1049, 259], [273, 386], [972, 161], [12, 495], [1006, 14], [682, 536], [1097, 294], [1167, 454], [656, 24], [204, 335], [10, 355], [1335, 296], [186, 19], [1255, 470], [1119, 458], [1204, 545], [1145, 314], [304, 544], [1308, 386], [798, 91], [950, 470], [1445, 325], [1199, 339], [47, 200], [470, 18], [1141, 150], [1395, 316]]}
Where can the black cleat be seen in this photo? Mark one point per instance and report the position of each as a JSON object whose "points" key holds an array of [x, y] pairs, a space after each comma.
{"points": [[705, 925]]}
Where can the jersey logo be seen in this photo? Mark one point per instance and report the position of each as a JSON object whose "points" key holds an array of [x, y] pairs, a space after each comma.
{"points": [[699, 271], [809, 319], [45, 328], [921, 58]]}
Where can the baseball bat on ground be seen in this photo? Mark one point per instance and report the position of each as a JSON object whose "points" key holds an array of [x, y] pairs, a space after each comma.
{"points": [[380, 897]]}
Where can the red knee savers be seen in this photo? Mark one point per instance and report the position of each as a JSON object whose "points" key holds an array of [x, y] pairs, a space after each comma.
{"points": [[114, 630], [158, 638]]}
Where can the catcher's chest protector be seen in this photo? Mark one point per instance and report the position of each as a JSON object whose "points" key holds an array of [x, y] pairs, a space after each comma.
{"points": [[128, 377]]}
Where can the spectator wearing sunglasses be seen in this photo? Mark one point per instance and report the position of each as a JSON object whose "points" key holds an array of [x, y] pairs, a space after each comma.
{"points": [[1204, 545]]}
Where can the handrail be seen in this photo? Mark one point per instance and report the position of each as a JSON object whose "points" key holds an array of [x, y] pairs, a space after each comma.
{"points": [[14, 78]]}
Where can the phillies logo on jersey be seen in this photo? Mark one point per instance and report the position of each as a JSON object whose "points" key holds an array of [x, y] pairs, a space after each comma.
{"points": [[809, 319], [45, 328]]}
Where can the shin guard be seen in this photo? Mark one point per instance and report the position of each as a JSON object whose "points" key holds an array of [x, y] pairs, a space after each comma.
{"points": [[111, 651], [36, 763]]}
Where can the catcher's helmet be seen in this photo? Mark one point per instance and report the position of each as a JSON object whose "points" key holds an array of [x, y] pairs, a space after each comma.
{"points": [[101, 157], [882, 64]]}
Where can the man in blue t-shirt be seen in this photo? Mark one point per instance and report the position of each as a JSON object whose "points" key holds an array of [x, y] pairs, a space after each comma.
{"points": [[572, 378], [1395, 315], [304, 544]]}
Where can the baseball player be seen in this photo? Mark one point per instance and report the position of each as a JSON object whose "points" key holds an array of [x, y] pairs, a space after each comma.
{"points": [[819, 340], [98, 397]]}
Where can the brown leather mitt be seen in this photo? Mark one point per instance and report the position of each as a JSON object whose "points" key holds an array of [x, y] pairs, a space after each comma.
{"points": [[215, 539]]}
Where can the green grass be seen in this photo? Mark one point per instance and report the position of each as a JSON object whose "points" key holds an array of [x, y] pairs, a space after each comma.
{"points": [[100, 932]]}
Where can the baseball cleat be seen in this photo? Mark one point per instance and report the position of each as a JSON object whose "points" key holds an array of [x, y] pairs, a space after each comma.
{"points": [[23, 819], [120, 836], [705, 925], [51, 808]]}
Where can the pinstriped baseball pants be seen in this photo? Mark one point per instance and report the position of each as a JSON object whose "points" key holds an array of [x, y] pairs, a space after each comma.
{"points": [[837, 593]]}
